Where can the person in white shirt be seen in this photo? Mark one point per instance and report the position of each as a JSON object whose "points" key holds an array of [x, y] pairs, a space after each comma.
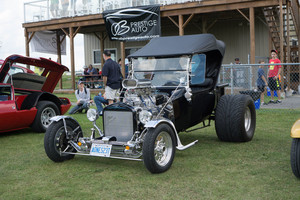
{"points": [[83, 97]]}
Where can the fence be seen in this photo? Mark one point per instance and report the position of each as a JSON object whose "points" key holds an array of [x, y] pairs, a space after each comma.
{"points": [[242, 78]]}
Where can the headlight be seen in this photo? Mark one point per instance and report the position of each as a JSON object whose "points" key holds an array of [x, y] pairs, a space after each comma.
{"points": [[145, 116], [92, 115]]}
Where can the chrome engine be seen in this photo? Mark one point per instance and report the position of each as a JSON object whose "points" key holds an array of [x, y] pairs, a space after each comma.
{"points": [[147, 102]]}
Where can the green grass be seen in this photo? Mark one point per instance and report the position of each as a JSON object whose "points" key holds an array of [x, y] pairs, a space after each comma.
{"points": [[211, 169]]}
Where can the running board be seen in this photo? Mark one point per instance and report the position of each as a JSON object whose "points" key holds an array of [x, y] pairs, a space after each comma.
{"points": [[184, 147]]}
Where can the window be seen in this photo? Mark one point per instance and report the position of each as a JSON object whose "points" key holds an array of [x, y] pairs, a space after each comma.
{"points": [[5, 93], [97, 55], [198, 69]]}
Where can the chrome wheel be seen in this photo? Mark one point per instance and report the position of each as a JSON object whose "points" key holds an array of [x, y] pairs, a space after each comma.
{"points": [[46, 115], [163, 148], [247, 119], [60, 140]]}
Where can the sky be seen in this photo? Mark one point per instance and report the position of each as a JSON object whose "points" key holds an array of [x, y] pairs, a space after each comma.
{"points": [[12, 39]]}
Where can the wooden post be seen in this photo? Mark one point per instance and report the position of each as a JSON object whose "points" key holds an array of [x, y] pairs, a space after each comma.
{"points": [[71, 34], [281, 37], [252, 36], [123, 58], [180, 24], [288, 47], [59, 56], [102, 48], [27, 42], [204, 22], [281, 29]]}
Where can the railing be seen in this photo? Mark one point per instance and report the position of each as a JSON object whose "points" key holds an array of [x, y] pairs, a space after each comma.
{"points": [[41, 10]]}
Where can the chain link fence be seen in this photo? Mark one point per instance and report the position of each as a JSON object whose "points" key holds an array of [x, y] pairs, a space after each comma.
{"points": [[242, 78]]}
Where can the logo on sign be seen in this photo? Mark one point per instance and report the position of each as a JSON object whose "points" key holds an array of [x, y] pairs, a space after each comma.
{"points": [[119, 28]]}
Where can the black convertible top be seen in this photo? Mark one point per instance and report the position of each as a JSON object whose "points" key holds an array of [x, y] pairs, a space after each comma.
{"points": [[180, 45]]}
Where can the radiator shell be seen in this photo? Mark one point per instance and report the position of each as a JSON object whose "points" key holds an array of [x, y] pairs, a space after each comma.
{"points": [[119, 120]]}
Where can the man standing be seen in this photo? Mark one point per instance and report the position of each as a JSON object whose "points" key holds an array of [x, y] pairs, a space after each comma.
{"points": [[273, 76], [83, 99], [111, 74]]}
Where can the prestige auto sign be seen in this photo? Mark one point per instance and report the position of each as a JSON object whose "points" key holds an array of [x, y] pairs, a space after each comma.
{"points": [[133, 24]]}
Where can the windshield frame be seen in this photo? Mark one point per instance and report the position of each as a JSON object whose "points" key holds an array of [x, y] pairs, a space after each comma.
{"points": [[157, 70]]}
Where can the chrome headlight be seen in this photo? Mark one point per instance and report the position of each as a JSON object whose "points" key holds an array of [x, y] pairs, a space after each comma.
{"points": [[145, 116], [92, 115]]}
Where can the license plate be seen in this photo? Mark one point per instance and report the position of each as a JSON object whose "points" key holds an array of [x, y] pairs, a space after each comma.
{"points": [[102, 150]]}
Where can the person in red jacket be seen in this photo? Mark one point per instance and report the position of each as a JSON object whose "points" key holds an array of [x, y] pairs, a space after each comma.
{"points": [[273, 76]]}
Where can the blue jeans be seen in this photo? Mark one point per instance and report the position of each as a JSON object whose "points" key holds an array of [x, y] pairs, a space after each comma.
{"points": [[98, 101], [79, 108]]}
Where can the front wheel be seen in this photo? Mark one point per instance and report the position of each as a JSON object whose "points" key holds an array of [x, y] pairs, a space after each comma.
{"points": [[57, 141], [159, 148], [295, 157]]}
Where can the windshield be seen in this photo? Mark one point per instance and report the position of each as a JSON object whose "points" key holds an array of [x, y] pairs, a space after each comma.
{"points": [[162, 71]]}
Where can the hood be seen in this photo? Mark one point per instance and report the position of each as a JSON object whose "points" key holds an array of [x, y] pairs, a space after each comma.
{"points": [[46, 82]]}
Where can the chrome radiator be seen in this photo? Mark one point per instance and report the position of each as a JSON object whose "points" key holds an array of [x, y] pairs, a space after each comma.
{"points": [[118, 124]]}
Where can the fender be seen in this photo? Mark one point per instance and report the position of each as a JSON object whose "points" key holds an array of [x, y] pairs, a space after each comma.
{"points": [[295, 131], [32, 100], [179, 146], [64, 118]]}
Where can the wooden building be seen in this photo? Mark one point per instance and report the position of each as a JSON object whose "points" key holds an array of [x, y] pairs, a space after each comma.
{"points": [[250, 28]]}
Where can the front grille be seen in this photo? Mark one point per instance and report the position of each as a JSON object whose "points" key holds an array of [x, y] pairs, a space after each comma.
{"points": [[118, 124]]}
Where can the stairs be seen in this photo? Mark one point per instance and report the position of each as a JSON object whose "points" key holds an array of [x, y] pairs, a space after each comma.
{"points": [[272, 18]]}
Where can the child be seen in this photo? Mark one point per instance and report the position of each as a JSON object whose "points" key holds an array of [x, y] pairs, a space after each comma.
{"points": [[261, 82], [273, 76]]}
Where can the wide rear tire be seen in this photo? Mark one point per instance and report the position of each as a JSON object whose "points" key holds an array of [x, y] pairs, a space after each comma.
{"points": [[235, 118], [159, 148], [56, 141], [295, 157]]}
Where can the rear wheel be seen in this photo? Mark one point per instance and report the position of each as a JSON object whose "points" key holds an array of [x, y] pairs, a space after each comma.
{"points": [[56, 140], [235, 118], [159, 148], [45, 111], [295, 157]]}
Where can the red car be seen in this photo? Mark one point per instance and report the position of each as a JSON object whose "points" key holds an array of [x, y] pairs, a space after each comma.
{"points": [[26, 99]]}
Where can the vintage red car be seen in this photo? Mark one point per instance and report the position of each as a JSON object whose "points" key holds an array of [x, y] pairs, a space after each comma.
{"points": [[26, 99]]}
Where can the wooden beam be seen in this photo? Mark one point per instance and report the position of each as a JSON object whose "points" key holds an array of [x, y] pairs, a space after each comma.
{"points": [[211, 25], [243, 15], [71, 35], [252, 36], [66, 33], [77, 30], [63, 38], [188, 20], [31, 36], [172, 20]]}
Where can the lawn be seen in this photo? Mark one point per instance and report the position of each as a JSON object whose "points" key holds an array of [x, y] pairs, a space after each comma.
{"points": [[211, 169]]}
